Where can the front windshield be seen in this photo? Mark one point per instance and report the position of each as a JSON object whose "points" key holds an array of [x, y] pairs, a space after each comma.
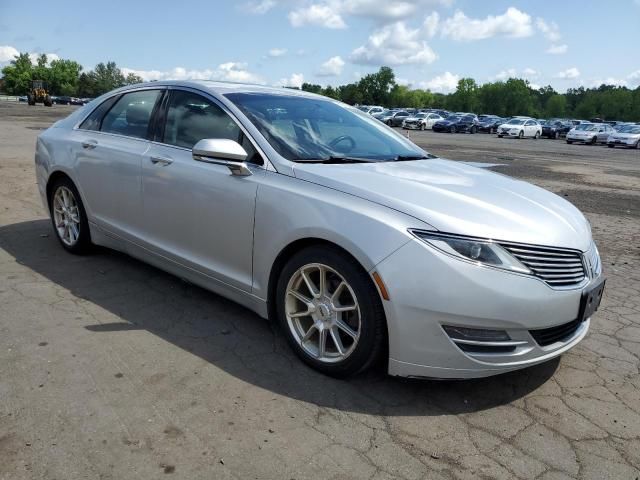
{"points": [[516, 121], [453, 118], [305, 128], [635, 129], [420, 115], [590, 128], [584, 126]]}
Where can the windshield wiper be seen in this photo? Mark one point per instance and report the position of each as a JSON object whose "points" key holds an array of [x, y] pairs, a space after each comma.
{"points": [[334, 159], [406, 158]]}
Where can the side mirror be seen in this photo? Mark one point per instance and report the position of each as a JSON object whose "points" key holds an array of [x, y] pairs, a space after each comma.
{"points": [[222, 151]]}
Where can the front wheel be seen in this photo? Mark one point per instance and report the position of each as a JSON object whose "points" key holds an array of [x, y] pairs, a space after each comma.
{"points": [[330, 311], [473, 129], [69, 217], [593, 141], [536, 136], [569, 142], [556, 135], [452, 130], [521, 135], [423, 127]]}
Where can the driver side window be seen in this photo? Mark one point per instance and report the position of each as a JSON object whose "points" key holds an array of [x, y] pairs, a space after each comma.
{"points": [[192, 117]]}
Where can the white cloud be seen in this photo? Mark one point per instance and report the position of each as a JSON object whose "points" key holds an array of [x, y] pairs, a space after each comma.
{"points": [[295, 80], [318, 15], [230, 72], [431, 23], [50, 57], [634, 78], [513, 23], [514, 73], [557, 49], [550, 30], [332, 67], [568, 74], [445, 83], [7, 53], [277, 52], [259, 7], [332, 13], [394, 44]]}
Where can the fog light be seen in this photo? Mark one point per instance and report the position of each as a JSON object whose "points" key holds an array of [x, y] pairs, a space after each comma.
{"points": [[475, 334]]}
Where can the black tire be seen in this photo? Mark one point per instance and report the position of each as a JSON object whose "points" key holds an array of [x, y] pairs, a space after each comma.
{"points": [[569, 142], [499, 136], [536, 136], [452, 129], [31, 100], [372, 338], [638, 145], [83, 243], [594, 140], [423, 127], [473, 130], [521, 135], [610, 145], [557, 135], [390, 123]]}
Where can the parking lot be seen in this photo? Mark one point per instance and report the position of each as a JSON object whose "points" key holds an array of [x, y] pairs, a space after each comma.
{"points": [[112, 369]]}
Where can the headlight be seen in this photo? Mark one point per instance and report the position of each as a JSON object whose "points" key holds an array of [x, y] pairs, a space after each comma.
{"points": [[477, 250]]}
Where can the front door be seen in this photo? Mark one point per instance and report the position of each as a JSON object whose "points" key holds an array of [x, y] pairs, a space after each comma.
{"points": [[197, 213]]}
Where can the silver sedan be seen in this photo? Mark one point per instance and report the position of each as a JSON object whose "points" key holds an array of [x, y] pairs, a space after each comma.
{"points": [[309, 212]]}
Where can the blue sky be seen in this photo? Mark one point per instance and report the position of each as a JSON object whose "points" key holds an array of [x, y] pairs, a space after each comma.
{"points": [[429, 43]]}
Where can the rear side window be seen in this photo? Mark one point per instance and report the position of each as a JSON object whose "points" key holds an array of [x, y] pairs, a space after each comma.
{"points": [[93, 121], [131, 114]]}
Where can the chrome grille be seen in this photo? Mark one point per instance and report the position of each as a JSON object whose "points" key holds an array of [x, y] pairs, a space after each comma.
{"points": [[557, 267]]}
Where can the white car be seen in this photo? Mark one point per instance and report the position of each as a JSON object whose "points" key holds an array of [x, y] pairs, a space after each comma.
{"points": [[520, 128], [371, 110], [627, 136], [590, 133], [421, 121]]}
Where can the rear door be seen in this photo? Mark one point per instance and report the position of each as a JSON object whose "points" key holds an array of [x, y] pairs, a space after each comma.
{"points": [[107, 149], [197, 213]]}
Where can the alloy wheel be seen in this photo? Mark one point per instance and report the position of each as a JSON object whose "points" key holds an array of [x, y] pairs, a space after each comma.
{"points": [[322, 313], [66, 216]]}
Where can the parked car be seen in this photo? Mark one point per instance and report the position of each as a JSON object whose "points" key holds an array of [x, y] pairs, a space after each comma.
{"points": [[556, 128], [490, 124], [520, 128], [63, 100], [627, 136], [394, 119], [371, 110], [457, 123], [590, 133], [23, 98], [354, 240], [421, 121]]}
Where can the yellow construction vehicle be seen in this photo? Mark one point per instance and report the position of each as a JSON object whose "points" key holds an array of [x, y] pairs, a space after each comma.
{"points": [[39, 94]]}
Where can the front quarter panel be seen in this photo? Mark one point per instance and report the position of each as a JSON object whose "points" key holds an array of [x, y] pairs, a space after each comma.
{"points": [[290, 209]]}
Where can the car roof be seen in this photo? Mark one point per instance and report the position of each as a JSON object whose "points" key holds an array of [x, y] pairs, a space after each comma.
{"points": [[222, 88]]}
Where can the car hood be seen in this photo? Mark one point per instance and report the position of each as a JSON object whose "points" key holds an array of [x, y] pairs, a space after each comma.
{"points": [[414, 119], [622, 135], [457, 198]]}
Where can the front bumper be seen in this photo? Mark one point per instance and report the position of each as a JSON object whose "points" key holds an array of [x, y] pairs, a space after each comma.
{"points": [[627, 142], [429, 289], [412, 126], [509, 133]]}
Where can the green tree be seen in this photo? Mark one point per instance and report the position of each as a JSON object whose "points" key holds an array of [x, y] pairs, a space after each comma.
{"points": [[556, 106], [375, 87], [63, 77], [132, 79], [17, 75], [465, 97]]}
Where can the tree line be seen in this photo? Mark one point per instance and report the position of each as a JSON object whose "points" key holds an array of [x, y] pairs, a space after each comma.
{"points": [[64, 77], [514, 96]]}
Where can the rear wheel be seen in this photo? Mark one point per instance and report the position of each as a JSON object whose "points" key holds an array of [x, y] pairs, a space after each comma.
{"points": [[330, 311], [68, 217], [594, 140], [638, 145]]}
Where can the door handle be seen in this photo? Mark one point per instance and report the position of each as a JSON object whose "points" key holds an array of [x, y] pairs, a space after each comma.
{"points": [[90, 144], [161, 161]]}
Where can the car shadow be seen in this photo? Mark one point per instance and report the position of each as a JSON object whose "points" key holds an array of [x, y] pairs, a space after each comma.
{"points": [[236, 340]]}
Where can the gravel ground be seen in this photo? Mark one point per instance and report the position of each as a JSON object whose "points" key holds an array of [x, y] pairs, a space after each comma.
{"points": [[112, 369]]}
